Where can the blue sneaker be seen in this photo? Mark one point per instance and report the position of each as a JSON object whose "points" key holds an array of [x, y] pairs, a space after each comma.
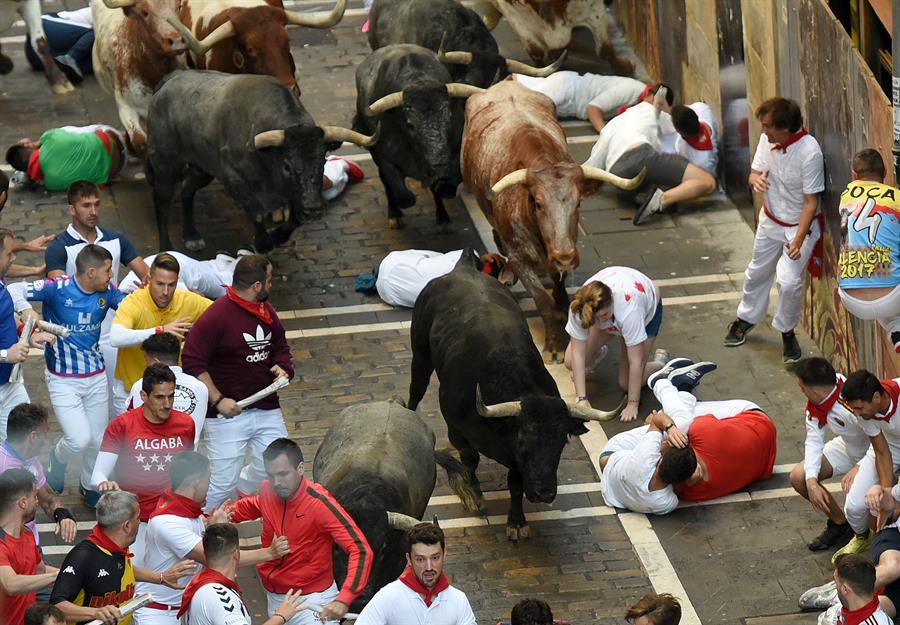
{"points": [[669, 367], [56, 474], [687, 378], [91, 497]]}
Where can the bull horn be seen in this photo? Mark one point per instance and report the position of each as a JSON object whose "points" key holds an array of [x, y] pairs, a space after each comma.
{"points": [[518, 67], [319, 19], [268, 139], [400, 521], [339, 133], [592, 414], [388, 102], [454, 56], [496, 411], [119, 4], [462, 90], [509, 180], [595, 173], [201, 47]]}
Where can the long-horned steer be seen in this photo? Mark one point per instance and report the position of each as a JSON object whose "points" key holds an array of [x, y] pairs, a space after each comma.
{"points": [[516, 161], [247, 36], [252, 134], [406, 90], [496, 395], [455, 32]]}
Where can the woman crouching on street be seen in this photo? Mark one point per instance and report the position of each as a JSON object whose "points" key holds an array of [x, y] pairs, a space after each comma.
{"points": [[621, 301]]}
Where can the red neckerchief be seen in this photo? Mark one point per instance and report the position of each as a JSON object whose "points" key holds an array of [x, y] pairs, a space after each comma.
{"points": [[34, 166], [857, 617], [893, 390], [820, 411], [409, 578], [99, 538], [257, 309], [171, 502], [206, 576], [640, 99], [794, 139], [702, 142]]}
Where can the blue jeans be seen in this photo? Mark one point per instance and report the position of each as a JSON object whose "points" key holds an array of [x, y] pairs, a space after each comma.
{"points": [[64, 38]]}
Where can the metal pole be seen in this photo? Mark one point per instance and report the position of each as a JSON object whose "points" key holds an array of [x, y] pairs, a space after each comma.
{"points": [[895, 86]]}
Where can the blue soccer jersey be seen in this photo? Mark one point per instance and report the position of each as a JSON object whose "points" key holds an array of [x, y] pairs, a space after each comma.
{"points": [[9, 334], [82, 313]]}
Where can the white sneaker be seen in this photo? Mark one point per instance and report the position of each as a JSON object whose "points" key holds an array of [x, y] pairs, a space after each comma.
{"points": [[661, 356], [652, 206], [820, 598], [830, 616]]}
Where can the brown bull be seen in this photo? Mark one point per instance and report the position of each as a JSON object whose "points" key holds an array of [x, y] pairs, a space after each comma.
{"points": [[516, 162], [247, 36]]}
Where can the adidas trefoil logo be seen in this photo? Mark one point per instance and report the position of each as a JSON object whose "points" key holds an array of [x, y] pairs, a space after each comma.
{"points": [[258, 344]]}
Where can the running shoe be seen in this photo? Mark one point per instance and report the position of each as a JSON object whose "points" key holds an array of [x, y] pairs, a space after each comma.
{"points": [[857, 544], [820, 598]]}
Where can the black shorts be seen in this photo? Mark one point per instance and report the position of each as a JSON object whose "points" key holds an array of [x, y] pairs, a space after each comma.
{"points": [[663, 170], [886, 540]]}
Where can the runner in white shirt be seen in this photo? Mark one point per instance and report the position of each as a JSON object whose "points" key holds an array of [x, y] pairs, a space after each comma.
{"points": [[213, 597], [403, 274], [591, 97], [858, 604], [615, 301], [643, 138], [191, 395], [175, 533], [422, 594], [697, 135], [206, 277], [844, 454], [788, 169]]}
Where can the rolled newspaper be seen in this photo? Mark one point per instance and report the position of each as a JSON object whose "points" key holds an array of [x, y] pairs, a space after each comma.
{"points": [[279, 383], [315, 607], [54, 328], [138, 601], [16, 374]]}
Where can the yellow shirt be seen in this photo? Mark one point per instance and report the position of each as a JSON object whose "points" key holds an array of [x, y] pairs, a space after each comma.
{"points": [[139, 312]]}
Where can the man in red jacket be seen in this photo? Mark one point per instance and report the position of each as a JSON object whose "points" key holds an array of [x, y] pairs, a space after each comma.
{"points": [[236, 348], [310, 518]]}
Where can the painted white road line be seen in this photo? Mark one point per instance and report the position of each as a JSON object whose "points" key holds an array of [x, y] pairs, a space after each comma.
{"points": [[495, 495]]}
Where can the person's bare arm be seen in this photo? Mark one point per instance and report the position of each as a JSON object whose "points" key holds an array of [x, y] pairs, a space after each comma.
{"points": [[810, 204], [24, 271], [13, 583], [595, 116], [219, 401], [139, 266], [50, 503], [109, 615]]}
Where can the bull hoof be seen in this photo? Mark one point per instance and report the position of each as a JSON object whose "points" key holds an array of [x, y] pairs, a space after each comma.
{"points": [[62, 87], [194, 245], [396, 223], [6, 64], [517, 533], [554, 357]]}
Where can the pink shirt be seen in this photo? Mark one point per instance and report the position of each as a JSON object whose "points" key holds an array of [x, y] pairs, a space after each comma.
{"points": [[9, 459]]}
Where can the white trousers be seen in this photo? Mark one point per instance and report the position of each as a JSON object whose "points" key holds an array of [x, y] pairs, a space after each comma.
{"points": [[306, 617], [154, 616], [11, 395], [770, 263], [227, 441], [855, 508], [885, 309], [81, 406], [120, 397], [683, 408]]}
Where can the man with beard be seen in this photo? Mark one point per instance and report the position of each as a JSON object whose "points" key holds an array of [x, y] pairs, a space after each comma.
{"points": [[236, 348], [22, 569], [422, 594]]}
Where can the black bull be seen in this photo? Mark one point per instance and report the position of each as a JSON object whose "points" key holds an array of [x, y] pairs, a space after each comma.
{"points": [[470, 329], [249, 132], [378, 461], [406, 90]]}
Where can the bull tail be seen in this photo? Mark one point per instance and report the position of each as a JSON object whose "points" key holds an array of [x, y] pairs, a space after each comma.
{"points": [[462, 482]]}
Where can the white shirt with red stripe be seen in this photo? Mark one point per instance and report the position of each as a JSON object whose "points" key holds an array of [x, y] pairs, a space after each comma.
{"points": [[889, 422], [702, 152], [794, 171]]}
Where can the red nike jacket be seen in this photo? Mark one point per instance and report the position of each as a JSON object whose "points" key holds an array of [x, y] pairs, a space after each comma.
{"points": [[312, 521]]}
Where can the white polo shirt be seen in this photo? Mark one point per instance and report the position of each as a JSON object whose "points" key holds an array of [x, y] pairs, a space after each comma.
{"points": [[403, 274], [796, 171], [639, 124], [635, 298], [704, 159], [398, 604], [191, 397], [626, 479], [169, 540], [573, 93]]}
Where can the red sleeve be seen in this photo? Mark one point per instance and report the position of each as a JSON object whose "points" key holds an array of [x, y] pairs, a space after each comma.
{"points": [[334, 520], [281, 352], [4, 554], [201, 343], [246, 509], [114, 436]]}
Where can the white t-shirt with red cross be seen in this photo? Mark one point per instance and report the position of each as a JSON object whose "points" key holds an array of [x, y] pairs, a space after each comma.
{"points": [[635, 298]]}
